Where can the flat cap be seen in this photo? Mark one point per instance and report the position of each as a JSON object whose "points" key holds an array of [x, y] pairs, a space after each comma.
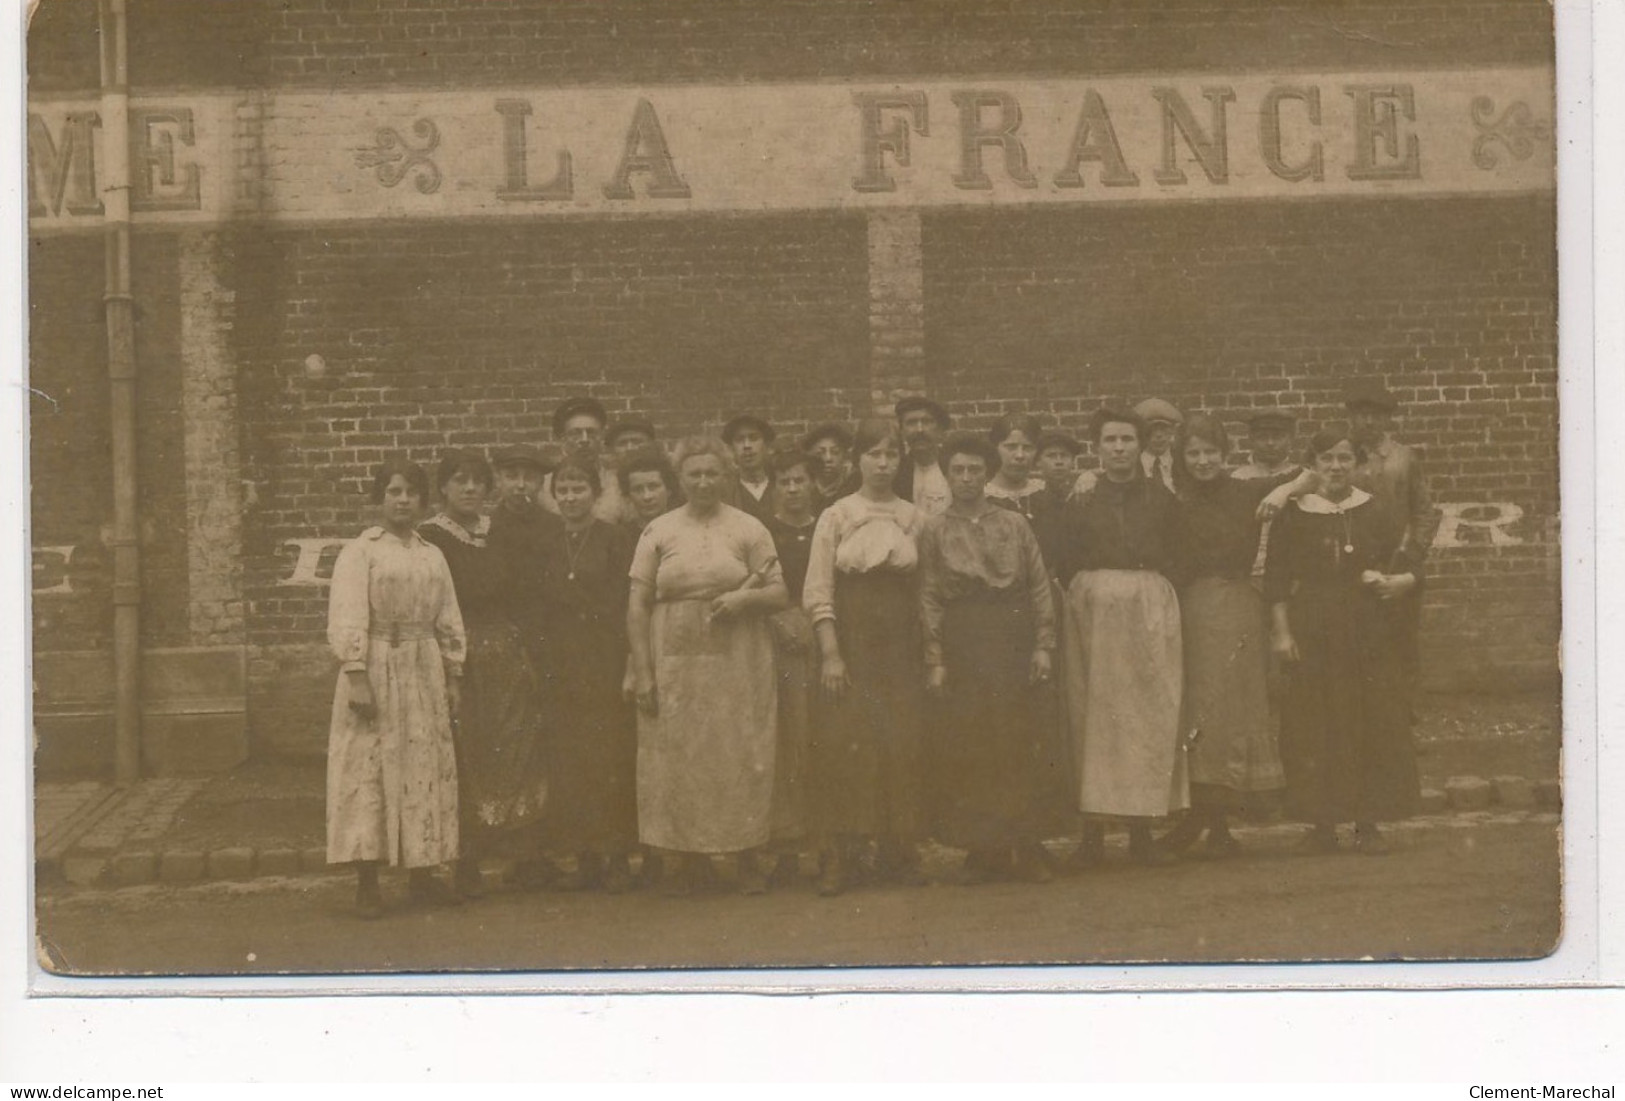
{"points": [[520, 456], [1369, 393], [916, 402], [621, 428], [1152, 410], [574, 407], [746, 420], [1054, 437]]}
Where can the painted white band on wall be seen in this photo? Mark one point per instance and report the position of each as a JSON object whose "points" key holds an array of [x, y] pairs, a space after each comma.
{"points": [[541, 152]]}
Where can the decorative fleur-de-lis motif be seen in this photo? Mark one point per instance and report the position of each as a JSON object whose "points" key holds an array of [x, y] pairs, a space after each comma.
{"points": [[393, 157], [1516, 129]]}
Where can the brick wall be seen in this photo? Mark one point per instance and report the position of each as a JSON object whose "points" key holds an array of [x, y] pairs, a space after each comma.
{"points": [[470, 336], [203, 43], [1226, 307], [438, 332], [70, 452]]}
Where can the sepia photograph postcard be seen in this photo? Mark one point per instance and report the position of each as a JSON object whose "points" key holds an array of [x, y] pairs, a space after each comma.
{"points": [[599, 491]]}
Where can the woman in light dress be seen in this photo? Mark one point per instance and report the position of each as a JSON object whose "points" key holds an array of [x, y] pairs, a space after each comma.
{"points": [[704, 580], [394, 625]]}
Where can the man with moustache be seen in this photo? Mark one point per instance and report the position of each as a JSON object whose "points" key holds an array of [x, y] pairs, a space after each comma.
{"points": [[923, 424], [579, 425]]}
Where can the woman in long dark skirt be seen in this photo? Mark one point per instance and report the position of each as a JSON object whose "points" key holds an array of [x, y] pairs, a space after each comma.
{"points": [[1022, 484], [796, 653], [584, 584], [501, 769], [864, 761], [1334, 577], [1233, 762], [989, 620]]}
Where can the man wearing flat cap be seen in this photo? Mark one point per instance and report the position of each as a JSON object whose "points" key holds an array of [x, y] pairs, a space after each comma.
{"points": [[1057, 462], [748, 437], [923, 423], [1162, 421], [625, 437], [579, 425], [1392, 474], [829, 446], [1269, 437]]}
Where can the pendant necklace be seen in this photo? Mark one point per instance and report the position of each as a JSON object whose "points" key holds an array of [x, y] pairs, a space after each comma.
{"points": [[1348, 534], [573, 548]]}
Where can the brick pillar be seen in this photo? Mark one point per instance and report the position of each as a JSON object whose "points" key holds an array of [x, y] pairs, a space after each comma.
{"points": [[214, 482], [896, 308]]}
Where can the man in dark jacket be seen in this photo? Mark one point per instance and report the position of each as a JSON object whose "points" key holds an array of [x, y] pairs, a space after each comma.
{"points": [[923, 424]]}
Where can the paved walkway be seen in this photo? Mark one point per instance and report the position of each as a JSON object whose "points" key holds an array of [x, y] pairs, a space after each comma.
{"points": [[78, 826]]}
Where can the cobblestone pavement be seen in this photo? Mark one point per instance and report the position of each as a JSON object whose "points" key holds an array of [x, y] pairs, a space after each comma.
{"points": [[79, 826], [57, 807]]}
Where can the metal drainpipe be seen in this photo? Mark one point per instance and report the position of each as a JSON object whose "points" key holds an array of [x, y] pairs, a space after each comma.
{"points": [[121, 375]]}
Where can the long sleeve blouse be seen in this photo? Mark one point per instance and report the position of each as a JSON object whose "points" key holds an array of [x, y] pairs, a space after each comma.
{"points": [[518, 538], [1221, 526], [963, 557], [1043, 509], [1322, 543], [479, 574], [584, 582], [857, 535], [399, 589], [1132, 525]]}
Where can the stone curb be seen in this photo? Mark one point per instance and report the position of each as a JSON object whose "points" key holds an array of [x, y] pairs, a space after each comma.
{"points": [[1460, 795]]}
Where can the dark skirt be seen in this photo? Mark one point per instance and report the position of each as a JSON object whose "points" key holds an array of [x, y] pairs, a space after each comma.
{"points": [[1345, 727], [864, 763], [1227, 695], [502, 768], [594, 758], [989, 731], [796, 663]]}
